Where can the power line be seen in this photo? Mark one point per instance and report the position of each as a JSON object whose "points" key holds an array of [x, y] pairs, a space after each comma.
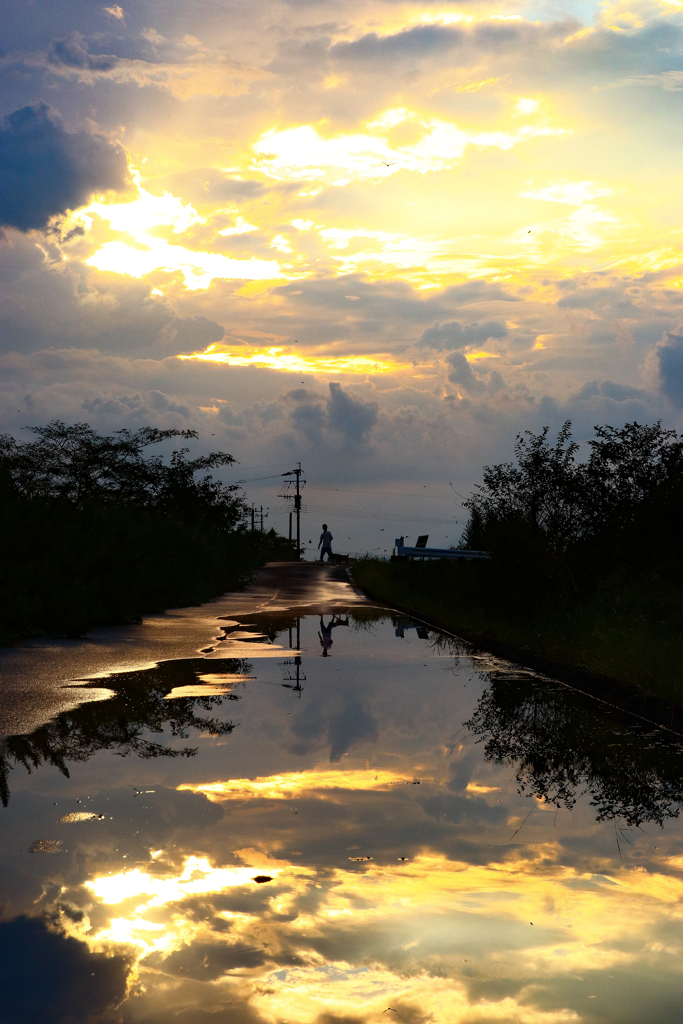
{"points": [[390, 518], [252, 479], [393, 494]]}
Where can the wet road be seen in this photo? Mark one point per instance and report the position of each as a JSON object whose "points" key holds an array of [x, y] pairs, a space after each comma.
{"points": [[293, 807], [42, 678]]}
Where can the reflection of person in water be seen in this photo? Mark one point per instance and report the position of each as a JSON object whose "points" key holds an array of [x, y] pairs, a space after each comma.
{"points": [[325, 632]]}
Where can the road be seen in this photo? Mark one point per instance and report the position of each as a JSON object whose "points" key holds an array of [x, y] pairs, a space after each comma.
{"points": [[42, 678]]}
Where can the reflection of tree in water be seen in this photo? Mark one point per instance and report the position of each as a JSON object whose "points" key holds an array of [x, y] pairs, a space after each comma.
{"points": [[119, 724], [565, 746]]}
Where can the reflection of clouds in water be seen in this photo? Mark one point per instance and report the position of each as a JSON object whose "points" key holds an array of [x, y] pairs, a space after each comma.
{"points": [[291, 784], [445, 935], [433, 933], [342, 727], [45, 976]]}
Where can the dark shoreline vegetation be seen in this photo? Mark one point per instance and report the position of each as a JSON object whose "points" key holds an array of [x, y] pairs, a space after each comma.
{"points": [[97, 532], [586, 566]]}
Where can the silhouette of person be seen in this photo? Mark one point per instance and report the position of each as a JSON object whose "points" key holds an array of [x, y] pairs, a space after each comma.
{"points": [[325, 633], [326, 539]]}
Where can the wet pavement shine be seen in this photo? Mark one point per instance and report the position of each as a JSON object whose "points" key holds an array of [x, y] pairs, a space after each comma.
{"points": [[292, 807]]}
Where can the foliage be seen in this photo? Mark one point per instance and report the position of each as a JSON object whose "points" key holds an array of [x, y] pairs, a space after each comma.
{"points": [[77, 465], [558, 502], [97, 531], [628, 628], [586, 557]]}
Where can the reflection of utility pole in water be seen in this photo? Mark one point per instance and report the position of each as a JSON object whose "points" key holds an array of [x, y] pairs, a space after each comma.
{"points": [[297, 676]]}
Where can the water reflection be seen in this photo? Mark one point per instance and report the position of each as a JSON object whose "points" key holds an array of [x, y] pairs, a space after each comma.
{"points": [[357, 848], [561, 745], [144, 703], [325, 632]]}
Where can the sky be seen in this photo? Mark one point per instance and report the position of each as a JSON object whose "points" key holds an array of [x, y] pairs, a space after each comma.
{"points": [[381, 238]]}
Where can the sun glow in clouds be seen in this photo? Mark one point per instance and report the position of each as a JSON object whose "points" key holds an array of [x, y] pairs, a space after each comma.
{"points": [[304, 152], [278, 359], [143, 252]]}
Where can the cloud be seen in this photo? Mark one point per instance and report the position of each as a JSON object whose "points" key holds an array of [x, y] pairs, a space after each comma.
{"points": [[347, 724], [457, 335], [595, 298], [43, 972], [420, 41], [462, 373], [73, 51], [46, 170], [49, 302], [191, 333], [342, 414], [670, 356], [609, 389], [127, 405], [351, 417]]}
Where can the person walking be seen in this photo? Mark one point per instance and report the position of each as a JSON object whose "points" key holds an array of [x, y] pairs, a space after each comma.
{"points": [[326, 539]]}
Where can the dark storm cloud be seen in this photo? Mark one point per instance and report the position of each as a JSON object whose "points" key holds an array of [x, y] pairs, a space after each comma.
{"points": [[72, 50], [45, 976], [457, 335], [670, 356], [46, 170]]}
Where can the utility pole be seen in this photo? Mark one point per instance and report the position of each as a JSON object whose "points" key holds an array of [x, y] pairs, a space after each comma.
{"points": [[297, 502], [261, 518], [290, 527], [252, 518], [297, 506]]}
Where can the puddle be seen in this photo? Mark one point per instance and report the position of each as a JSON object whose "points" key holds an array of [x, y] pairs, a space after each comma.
{"points": [[342, 818]]}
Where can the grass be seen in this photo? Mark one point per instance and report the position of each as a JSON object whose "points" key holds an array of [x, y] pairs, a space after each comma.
{"points": [[630, 628]]}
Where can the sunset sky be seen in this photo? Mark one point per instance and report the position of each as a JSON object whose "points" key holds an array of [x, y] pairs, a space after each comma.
{"points": [[379, 237]]}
